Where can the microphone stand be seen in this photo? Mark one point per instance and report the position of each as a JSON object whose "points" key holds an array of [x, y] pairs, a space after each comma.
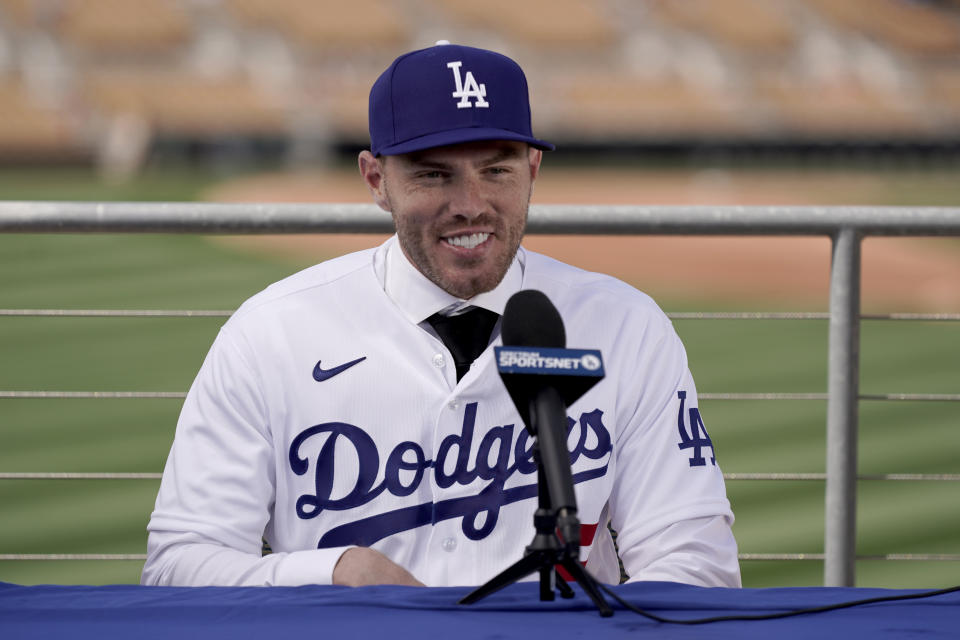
{"points": [[546, 552]]}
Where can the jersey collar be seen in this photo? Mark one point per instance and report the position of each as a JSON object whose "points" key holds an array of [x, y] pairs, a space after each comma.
{"points": [[419, 298]]}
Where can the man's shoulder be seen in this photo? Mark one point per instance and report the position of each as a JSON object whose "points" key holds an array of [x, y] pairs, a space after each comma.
{"points": [[598, 310], [334, 277], [573, 285]]}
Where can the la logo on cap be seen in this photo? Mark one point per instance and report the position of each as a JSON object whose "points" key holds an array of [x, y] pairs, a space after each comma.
{"points": [[467, 87]]}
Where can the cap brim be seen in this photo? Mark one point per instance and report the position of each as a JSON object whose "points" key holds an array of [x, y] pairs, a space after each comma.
{"points": [[458, 136]]}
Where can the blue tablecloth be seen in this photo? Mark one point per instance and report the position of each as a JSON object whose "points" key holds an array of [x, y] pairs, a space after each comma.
{"points": [[281, 613]]}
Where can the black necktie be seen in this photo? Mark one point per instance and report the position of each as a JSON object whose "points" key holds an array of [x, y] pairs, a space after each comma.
{"points": [[466, 335]]}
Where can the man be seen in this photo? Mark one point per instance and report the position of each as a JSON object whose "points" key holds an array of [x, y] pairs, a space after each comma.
{"points": [[331, 420]]}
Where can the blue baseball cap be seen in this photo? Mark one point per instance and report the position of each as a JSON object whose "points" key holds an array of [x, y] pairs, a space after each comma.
{"points": [[448, 94]]}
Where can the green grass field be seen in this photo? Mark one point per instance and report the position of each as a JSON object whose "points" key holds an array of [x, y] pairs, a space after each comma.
{"points": [[182, 272]]}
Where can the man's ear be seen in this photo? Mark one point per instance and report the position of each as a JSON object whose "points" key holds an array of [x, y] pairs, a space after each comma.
{"points": [[371, 170], [534, 156]]}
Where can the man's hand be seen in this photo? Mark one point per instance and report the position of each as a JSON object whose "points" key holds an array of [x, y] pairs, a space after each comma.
{"points": [[360, 566]]}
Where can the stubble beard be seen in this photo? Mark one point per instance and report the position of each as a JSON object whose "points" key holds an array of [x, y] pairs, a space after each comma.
{"points": [[414, 246]]}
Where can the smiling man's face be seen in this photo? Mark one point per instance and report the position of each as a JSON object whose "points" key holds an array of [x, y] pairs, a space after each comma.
{"points": [[460, 211]]}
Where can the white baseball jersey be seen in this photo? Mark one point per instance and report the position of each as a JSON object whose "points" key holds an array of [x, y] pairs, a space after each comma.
{"points": [[325, 417]]}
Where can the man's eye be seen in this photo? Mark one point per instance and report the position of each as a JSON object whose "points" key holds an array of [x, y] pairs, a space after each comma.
{"points": [[433, 175]]}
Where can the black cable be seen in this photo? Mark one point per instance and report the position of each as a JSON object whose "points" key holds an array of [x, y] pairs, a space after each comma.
{"points": [[781, 614]]}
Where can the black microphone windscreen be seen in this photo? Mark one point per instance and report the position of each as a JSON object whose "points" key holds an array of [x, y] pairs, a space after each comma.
{"points": [[531, 320]]}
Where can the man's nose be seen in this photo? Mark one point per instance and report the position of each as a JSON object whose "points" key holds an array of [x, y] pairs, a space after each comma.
{"points": [[468, 197]]}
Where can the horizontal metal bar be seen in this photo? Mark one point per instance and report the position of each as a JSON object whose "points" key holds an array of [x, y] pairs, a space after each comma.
{"points": [[806, 315], [175, 395], [118, 313], [775, 476], [73, 556], [191, 217], [78, 476], [948, 477], [904, 397], [141, 557], [674, 315], [925, 317], [749, 315], [780, 556], [913, 397], [951, 477], [762, 396], [900, 477], [180, 395], [938, 557], [233, 218]]}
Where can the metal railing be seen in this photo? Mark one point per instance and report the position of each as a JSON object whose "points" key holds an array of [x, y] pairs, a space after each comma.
{"points": [[845, 226]]}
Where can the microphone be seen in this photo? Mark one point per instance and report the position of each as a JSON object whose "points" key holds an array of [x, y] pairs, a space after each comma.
{"points": [[543, 378], [531, 320]]}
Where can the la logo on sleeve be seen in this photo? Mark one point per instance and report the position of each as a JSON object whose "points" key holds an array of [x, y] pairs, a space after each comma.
{"points": [[694, 440]]}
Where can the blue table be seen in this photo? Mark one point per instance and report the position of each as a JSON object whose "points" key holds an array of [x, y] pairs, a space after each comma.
{"points": [[285, 613]]}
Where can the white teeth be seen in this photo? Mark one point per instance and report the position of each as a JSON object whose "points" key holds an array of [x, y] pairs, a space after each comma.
{"points": [[469, 241]]}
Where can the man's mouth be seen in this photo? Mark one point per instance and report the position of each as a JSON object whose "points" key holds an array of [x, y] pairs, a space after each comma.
{"points": [[467, 241]]}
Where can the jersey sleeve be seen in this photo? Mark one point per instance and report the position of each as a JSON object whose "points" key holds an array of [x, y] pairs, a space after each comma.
{"points": [[218, 488], [668, 502]]}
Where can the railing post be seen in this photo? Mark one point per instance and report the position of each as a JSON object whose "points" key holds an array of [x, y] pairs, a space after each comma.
{"points": [[842, 410]]}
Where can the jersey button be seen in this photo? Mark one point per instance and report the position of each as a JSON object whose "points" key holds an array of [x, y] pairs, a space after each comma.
{"points": [[449, 544], [454, 405], [438, 360]]}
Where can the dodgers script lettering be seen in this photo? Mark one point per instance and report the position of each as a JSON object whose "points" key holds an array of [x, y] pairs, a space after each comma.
{"points": [[502, 452]]}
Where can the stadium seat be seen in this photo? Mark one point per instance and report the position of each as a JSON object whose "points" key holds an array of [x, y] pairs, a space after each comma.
{"points": [[343, 105], [609, 70], [913, 26], [537, 23], [120, 27], [24, 13], [31, 130], [944, 89], [187, 106], [842, 110], [755, 25], [614, 107], [355, 25]]}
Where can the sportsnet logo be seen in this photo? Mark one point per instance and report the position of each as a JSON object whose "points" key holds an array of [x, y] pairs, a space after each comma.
{"points": [[537, 360]]}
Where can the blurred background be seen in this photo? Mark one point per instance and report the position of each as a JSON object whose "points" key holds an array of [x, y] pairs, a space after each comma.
{"points": [[118, 84], [709, 102]]}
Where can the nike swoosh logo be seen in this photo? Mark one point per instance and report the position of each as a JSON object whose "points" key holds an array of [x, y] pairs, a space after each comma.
{"points": [[320, 374]]}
